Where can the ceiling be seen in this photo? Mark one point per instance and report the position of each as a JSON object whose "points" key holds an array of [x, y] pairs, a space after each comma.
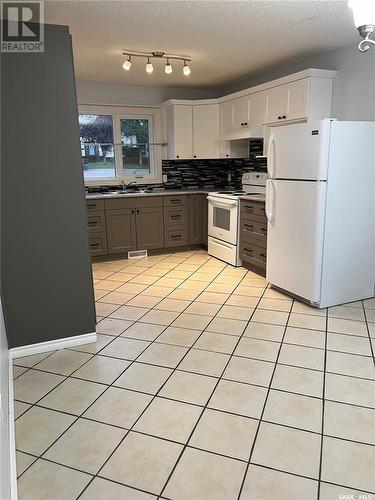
{"points": [[227, 40]]}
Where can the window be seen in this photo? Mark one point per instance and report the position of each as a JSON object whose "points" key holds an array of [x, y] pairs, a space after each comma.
{"points": [[97, 149], [120, 144], [136, 148]]}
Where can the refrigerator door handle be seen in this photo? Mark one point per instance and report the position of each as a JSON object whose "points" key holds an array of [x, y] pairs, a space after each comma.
{"points": [[269, 200], [271, 157]]}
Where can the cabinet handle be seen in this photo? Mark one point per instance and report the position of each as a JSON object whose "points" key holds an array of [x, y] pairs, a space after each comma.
{"points": [[195, 156], [283, 117], [176, 236], [91, 206], [133, 211], [137, 211], [227, 156], [93, 223], [94, 245], [249, 250], [250, 227], [177, 156], [245, 124], [177, 200], [176, 217], [279, 117], [263, 229]]}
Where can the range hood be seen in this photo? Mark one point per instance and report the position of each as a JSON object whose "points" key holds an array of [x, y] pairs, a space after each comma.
{"points": [[257, 132]]}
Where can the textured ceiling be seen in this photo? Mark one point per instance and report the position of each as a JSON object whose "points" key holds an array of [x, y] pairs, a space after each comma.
{"points": [[227, 40]]}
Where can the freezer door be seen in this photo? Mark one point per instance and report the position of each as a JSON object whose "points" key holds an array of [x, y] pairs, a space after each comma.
{"points": [[295, 236], [299, 151]]}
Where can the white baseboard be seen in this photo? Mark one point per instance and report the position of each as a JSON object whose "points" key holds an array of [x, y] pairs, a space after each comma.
{"points": [[12, 440], [51, 345]]}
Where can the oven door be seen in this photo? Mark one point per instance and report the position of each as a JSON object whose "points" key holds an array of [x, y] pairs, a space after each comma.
{"points": [[223, 219]]}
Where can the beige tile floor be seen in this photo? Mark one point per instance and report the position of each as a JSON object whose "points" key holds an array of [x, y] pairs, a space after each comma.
{"points": [[204, 384]]}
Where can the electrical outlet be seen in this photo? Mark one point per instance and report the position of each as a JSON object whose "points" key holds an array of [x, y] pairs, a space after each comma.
{"points": [[165, 177]]}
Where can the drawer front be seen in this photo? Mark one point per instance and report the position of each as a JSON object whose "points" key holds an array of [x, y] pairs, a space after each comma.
{"points": [[176, 236], [96, 221], [134, 202], [95, 205], [176, 216], [252, 253], [254, 209], [98, 244], [173, 201], [254, 229]]}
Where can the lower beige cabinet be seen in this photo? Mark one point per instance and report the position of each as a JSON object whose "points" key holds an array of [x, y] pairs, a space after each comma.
{"points": [[121, 230], [119, 225], [149, 228]]}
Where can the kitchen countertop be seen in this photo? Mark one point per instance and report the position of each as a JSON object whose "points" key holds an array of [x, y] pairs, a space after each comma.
{"points": [[167, 192]]}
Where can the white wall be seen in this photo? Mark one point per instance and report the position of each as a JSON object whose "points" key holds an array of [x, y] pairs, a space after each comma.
{"points": [[353, 88], [138, 95], [4, 423]]}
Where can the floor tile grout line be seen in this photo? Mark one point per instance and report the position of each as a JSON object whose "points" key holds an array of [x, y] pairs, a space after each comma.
{"points": [[264, 405], [145, 409], [208, 400], [323, 408]]}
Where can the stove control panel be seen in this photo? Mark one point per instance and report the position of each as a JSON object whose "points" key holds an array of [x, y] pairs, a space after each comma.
{"points": [[254, 178]]}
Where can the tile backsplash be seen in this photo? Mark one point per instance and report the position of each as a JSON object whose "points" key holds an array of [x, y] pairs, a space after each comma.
{"points": [[213, 174]]}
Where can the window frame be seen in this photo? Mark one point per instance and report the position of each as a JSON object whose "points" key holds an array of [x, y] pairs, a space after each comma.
{"points": [[153, 114]]}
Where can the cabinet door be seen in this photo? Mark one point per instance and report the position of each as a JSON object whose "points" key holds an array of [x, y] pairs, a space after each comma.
{"points": [[273, 99], [226, 117], [121, 235], [150, 228], [206, 131], [183, 131], [241, 112], [297, 95], [256, 106]]}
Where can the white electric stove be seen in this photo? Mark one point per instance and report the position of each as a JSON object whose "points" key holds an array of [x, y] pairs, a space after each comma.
{"points": [[224, 217]]}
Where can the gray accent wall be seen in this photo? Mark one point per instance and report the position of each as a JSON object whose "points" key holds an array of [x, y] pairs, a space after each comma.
{"points": [[353, 87], [46, 288], [136, 95]]}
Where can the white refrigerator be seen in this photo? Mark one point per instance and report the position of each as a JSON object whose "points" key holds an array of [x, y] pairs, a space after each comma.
{"points": [[320, 205]]}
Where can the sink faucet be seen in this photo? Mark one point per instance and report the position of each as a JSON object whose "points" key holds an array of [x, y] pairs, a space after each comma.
{"points": [[126, 185]]}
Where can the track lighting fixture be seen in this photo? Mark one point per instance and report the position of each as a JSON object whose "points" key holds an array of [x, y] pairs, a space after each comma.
{"points": [[186, 69], [128, 63], [159, 55], [168, 67], [149, 66]]}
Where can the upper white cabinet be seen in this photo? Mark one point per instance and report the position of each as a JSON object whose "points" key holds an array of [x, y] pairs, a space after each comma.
{"points": [[179, 131], [298, 100], [200, 129], [238, 115], [206, 126], [192, 131]]}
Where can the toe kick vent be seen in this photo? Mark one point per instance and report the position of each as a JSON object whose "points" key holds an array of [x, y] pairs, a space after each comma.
{"points": [[137, 254]]}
